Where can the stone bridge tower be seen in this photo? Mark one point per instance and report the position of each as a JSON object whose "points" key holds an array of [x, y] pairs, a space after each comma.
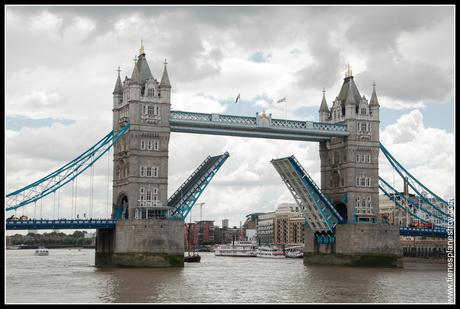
{"points": [[140, 175], [144, 235], [349, 166]]}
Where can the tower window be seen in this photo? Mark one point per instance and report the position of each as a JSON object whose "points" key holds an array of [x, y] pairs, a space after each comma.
{"points": [[149, 145], [156, 145], [155, 171], [150, 92], [142, 171], [149, 171], [142, 144], [149, 195], [363, 111], [150, 110]]}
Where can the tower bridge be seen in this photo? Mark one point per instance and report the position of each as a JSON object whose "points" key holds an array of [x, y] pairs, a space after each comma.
{"points": [[146, 228]]}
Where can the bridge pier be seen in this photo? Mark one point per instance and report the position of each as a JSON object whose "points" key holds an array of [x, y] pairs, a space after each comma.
{"points": [[373, 245], [104, 247], [141, 243]]}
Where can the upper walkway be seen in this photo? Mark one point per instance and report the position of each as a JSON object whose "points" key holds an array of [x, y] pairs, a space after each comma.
{"points": [[262, 126]]}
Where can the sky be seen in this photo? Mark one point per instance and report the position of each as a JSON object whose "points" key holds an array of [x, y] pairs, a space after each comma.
{"points": [[61, 67]]}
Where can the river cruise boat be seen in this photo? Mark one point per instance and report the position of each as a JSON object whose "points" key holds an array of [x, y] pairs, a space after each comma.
{"points": [[294, 251], [238, 248], [271, 252], [42, 252]]}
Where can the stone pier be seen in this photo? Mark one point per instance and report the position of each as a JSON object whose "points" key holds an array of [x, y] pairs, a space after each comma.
{"points": [[372, 245], [141, 243]]}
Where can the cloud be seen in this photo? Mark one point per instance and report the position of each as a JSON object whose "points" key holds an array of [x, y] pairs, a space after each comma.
{"points": [[61, 64]]}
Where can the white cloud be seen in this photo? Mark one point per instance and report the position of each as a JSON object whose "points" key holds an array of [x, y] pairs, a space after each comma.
{"points": [[61, 64]]}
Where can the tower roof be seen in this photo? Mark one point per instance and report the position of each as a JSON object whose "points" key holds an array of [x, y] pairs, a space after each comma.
{"points": [[141, 70], [118, 87], [349, 89], [323, 107], [374, 101], [165, 78]]}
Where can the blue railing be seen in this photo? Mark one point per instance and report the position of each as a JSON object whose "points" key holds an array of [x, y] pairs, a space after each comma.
{"points": [[59, 224]]}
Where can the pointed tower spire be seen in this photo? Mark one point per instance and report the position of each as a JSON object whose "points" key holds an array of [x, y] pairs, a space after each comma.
{"points": [[165, 78], [323, 107], [374, 101], [141, 50], [118, 88], [350, 97]]}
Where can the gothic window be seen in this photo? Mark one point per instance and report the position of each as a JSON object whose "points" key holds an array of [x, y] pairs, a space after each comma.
{"points": [[357, 181], [150, 110], [156, 110], [156, 145], [369, 201], [363, 111], [362, 181], [149, 171], [149, 195], [358, 157], [141, 193], [149, 145], [144, 109], [155, 171], [142, 171], [155, 194], [142, 144], [150, 92], [368, 158], [367, 181]]}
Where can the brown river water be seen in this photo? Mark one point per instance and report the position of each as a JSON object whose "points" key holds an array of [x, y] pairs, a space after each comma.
{"points": [[69, 276]]}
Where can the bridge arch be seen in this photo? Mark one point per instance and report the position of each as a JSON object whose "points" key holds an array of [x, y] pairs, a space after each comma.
{"points": [[121, 208], [342, 210]]}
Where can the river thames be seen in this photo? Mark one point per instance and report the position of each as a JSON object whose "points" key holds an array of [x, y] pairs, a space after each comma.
{"points": [[69, 276]]}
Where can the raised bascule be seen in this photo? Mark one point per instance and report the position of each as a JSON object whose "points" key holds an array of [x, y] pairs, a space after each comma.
{"points": [[342, 224]]}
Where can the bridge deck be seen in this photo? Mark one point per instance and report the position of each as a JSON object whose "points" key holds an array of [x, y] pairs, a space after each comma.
{"points": [[60, 224], [259, 126]]}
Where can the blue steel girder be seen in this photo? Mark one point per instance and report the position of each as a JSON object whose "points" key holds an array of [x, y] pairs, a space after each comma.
{"points": [[319, 213], [411, 231], [262, 127], [413, 182], [397, 197], [63, 175], [188, 193], [59, 224]]}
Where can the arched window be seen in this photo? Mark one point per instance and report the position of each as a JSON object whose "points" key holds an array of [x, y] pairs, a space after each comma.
{"points": [[150, 92]]}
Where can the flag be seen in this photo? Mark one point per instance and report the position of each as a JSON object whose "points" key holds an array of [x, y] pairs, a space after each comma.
{"points": [[237, 98], [281, 100]]}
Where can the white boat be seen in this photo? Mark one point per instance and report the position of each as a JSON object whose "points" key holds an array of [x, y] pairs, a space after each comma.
{"points": [[270, 252], [294, 252], [41, 252], [238, 248]]}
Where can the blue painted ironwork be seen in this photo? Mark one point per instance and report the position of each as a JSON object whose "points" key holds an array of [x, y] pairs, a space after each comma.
{"points": [[188, 193], [59, 224], [319, 213], [413, 182], [63, 175], [259, 126], [325, 238], [397, 197], [412, 231]]}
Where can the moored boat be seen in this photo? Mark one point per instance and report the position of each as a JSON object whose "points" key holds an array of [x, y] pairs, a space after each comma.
{"points": [[270, 252], [238, 248], [294, 252], [41, 252]]}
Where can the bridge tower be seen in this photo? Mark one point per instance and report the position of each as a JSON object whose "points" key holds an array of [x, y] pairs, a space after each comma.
{"points": [[143, 235], [349, 165], [349, 179]]}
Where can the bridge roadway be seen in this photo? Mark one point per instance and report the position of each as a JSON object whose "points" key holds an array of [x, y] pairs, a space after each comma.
{"points": [[109, 223], [261, 126]]}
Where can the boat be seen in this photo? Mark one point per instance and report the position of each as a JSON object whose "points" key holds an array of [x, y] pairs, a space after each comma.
{"points": [[192, 254], [41, 252], [294, 251], [270, 252], [237, 248], [192, 258]]}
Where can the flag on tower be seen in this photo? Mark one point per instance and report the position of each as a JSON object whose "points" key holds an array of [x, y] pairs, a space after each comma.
{"points": [[281, 100], [237, 98]]}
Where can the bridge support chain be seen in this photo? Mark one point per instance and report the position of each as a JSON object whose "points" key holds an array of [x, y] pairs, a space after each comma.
{"points": [[369, 245], [143, 243]]}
